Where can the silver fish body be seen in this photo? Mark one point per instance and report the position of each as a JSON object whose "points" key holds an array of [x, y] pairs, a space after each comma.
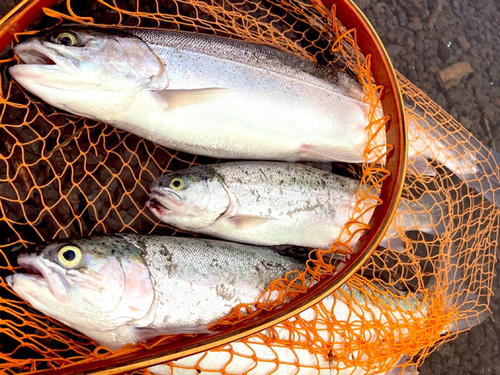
{"points": [[267, 203], [128, 288], [351, 305], [202, 94]]}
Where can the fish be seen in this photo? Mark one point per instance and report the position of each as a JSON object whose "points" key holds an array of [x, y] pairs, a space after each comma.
{"points": [[228, 98], [121, 289], [357, 317], [124, 288], [276, 203], [197, 93], [292, 347]]}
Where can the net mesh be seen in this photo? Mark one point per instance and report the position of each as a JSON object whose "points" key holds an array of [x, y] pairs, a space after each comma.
{"points": [[63, 176]]}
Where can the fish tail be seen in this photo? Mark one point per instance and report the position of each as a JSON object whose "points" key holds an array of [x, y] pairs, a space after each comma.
{"points": [[463, 289], [463, 293], [426, 214], [486, 178], [457, 149]]}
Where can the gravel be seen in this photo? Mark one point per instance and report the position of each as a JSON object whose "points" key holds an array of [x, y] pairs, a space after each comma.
{"points": [[421, 41]]}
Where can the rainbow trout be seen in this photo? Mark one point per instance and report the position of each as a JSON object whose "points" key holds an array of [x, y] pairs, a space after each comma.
{"points": [[274, 203], [129, 288], [124, 289]]}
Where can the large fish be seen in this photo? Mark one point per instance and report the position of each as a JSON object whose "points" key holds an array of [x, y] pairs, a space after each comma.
{"points": [[226, 98], [128, 288], [336, 322], [124, 289], [274, 203]]}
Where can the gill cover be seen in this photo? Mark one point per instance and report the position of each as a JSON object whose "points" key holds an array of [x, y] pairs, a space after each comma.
{"points": [[99, 286]]}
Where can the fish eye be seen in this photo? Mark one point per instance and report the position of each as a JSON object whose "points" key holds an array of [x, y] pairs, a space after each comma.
{"points": [[69, 256], [177, 183], [67, 39]]}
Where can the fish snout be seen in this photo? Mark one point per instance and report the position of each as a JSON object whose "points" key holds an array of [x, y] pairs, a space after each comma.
{"points": [[10, 279], [157, 208], [165, 196]]}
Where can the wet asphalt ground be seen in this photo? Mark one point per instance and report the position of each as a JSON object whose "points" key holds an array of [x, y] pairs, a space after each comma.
{"points": [[423, 37], [464, 31]]}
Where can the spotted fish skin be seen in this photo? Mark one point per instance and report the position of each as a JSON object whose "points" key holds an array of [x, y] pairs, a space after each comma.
{"points": [[129, 288], [213, 275], [269, 203]]}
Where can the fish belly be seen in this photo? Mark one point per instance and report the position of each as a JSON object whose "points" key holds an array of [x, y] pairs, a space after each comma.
{"points": [[261, 114]]}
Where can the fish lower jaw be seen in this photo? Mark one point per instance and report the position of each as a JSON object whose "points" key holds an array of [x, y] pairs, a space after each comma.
{"points": [[157, 207], [44, 277]]}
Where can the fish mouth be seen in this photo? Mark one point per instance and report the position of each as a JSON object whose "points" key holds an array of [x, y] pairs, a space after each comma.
{"points": [[36, 58], [161, 203], [44, 55], [38, 272], [157, 207]]}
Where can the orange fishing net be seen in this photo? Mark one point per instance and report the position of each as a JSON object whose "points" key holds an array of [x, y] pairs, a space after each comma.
{"points": [[63, 176]]}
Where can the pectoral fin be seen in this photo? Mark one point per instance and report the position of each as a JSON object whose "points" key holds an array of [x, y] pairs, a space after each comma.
{"points": [[337, 153], [242, 222], [179, 98]]}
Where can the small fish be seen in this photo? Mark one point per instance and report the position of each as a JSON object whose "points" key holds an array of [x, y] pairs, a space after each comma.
{"points": [[227, 98], [124, 289], [271, 203]]}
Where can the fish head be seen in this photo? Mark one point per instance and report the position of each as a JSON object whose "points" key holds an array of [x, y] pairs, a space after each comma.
{"points": [[71, 68], [189, 199], [94, 285]]}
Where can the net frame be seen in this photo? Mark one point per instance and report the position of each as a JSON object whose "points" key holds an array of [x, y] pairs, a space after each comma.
{"points": [[392, 187]]}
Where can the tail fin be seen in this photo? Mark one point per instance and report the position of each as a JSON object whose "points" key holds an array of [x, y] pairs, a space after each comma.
{"points": [[424, 215], [457, 149], [486, 180], [463, 294], [427, 214]]}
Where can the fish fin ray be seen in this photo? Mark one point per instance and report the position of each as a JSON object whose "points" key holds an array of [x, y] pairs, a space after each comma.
{"points": [[249, 221], [427, 214], [179, 98], [393, 243], [486, 179], [337, 153], [419, 165]]}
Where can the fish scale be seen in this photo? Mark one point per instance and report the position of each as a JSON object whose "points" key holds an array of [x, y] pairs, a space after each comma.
{"points": [[129, 288], [274, 203], [228, 274]]}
